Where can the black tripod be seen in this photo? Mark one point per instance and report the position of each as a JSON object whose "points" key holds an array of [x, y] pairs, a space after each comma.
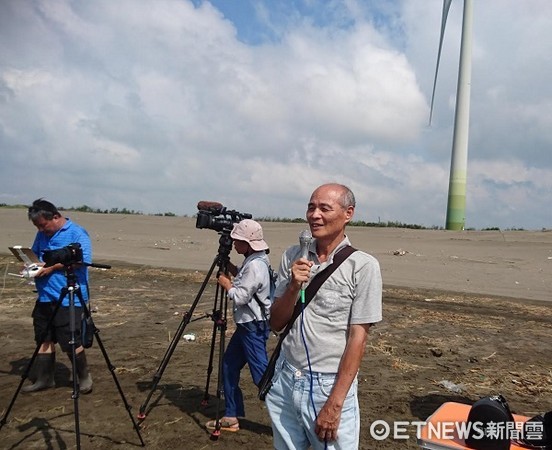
{"points": [[219, 317], [71, 289]]}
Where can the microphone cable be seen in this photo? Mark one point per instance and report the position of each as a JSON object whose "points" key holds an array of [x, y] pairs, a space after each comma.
{"points": [[311, 382], [308, 359], [305, 239]]}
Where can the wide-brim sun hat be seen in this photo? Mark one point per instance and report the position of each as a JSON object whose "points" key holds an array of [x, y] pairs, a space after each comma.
{"points": [[251, 232]]}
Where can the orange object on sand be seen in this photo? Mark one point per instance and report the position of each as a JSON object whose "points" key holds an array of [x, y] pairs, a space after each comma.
{"points": [[443, 429]]}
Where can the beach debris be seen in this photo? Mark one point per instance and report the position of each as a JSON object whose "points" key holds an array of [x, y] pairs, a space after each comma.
{"points": [[453, 387], [436, 352], [189, 337], [173, 421], [121, 370], [400, 252]]}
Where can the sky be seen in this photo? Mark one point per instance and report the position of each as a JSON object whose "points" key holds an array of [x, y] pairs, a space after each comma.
{"points": [[156, 105]]}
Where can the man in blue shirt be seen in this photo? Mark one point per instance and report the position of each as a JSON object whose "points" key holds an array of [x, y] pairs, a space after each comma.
{"points": [[57, 232]]}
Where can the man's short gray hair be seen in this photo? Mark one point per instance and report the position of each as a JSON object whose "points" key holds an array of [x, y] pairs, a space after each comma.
{"points": [[348, 198]]}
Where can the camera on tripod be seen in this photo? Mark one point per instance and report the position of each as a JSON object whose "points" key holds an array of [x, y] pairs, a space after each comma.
{"points": [[71, 254], [214, 216]]}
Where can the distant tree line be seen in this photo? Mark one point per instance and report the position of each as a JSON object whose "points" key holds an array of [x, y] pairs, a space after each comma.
{"points": [[354, 223], [88, 209]]}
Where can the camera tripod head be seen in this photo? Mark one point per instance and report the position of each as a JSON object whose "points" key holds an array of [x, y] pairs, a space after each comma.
{"points": [[69, 256], [225, 247], [70, 271], [215, 216]]}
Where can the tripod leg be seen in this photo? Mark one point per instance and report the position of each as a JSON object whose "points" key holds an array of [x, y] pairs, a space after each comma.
{"points": [[112, 368], [172, 346], [25, 374], [218, 320], [73, 353], [205, 400], [220, 381], [84, 377]]}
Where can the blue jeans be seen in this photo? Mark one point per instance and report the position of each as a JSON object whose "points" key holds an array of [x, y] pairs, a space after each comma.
{"points": [[293, 419], [247, 345]]}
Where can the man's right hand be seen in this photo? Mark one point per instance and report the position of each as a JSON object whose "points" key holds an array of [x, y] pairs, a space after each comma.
{"points": [[300, 271]]}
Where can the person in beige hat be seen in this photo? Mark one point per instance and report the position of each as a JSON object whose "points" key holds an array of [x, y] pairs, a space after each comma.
{"points": [[250, 292]]}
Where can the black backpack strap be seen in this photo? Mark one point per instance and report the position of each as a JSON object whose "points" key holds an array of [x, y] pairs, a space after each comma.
{"points": [[255, 296], [261, 306]]}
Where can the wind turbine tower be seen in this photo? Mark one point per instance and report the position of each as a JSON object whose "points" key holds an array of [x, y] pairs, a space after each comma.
{"points": [[456, 205]]}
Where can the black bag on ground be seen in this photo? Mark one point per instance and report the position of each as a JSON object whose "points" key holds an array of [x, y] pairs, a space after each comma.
{"points": [[484, 412], [87, 331], [537, 432]]}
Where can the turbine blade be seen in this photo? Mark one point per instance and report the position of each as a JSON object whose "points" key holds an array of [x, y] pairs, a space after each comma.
{"points": [[446, 7]]}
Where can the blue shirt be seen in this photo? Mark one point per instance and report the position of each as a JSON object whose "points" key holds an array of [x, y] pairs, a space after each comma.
{"points": [[50, 287]]}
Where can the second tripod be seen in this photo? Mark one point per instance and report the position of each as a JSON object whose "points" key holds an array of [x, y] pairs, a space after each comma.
{"points": [[219, 317], [72, 290]]}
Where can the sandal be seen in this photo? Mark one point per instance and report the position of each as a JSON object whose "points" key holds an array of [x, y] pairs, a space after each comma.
{"points": [[225, 425]]}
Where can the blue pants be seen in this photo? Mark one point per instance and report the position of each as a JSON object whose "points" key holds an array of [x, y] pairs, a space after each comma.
{"points": [[247, 345], [289, 404]]}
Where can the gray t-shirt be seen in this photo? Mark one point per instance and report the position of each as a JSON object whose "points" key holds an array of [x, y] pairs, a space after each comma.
{"points": [[351, 295]]}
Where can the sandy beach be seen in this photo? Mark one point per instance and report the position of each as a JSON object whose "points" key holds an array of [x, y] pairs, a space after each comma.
{"points": [[514, 264], [469, 308]]}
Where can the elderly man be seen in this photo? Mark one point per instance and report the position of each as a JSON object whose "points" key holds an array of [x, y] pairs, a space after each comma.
{"points": [[313, 400]]}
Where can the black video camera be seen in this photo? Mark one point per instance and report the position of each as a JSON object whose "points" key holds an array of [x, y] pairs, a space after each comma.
{"points": [[214, 216], [72, 254]]}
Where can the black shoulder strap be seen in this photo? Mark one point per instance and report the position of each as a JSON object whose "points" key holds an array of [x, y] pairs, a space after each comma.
{"points": [[315, 284], [256, 297], [261, 307], [310, 291]]}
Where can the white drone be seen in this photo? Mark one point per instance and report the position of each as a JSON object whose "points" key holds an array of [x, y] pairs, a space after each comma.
{"points": [[29, 259]]}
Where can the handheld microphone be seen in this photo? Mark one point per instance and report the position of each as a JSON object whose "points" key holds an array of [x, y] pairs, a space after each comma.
{"points": [[305, 239]]}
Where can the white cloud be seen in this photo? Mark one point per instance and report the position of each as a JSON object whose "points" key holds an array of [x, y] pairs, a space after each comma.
{"points": [[156, 106]]}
